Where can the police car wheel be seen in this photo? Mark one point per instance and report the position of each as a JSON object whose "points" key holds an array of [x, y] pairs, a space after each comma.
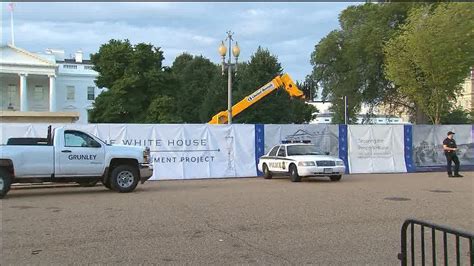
{"points": [[335, 178], [266, 172], [294, 174], [5, 182]]}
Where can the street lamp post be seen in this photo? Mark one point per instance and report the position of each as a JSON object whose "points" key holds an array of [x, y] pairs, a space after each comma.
{"points": [[345, 110], [229, 65]]}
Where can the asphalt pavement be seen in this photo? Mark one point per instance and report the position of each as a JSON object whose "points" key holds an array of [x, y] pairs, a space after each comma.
{"points": [[230, 221]]}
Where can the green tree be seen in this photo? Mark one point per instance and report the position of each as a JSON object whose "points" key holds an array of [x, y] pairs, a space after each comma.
{"points": [[163, 109], [194, 76], [133, 76], [216, 97], [456, 116], [432, 56], [192, 90], [309, 88], [275, 108], [349, 61]]}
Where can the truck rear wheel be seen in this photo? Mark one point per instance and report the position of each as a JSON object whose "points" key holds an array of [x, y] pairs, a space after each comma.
{"points": [[5, 182], [124, 178]]}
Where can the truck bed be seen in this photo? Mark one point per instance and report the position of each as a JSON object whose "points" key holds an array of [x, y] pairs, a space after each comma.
{"points": [[28, 141]]}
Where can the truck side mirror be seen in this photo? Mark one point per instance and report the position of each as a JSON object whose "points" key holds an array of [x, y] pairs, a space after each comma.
{"points": [[49, 136], [94, 144]]}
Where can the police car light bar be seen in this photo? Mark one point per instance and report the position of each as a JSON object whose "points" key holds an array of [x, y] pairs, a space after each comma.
{"points": [[295, 141]]}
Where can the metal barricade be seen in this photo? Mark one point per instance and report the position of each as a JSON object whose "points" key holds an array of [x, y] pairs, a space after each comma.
{"points": [[445, 231]]}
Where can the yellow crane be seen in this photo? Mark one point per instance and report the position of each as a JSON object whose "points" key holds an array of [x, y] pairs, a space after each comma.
{"points": [[284, 81]]}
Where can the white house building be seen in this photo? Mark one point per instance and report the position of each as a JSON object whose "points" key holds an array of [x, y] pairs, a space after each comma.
{"points": [[45, 87]]}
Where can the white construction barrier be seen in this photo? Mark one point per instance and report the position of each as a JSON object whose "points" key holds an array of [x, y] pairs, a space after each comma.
{"points": [[376, 149], [428, 153], [179, 151], [323, 136], [187, 151]]}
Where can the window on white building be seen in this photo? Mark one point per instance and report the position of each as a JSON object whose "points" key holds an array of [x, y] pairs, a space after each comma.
{"points": [[12, 93], [70, 93], [38, 93], [12, 96], [70, 66], [90, 93]]}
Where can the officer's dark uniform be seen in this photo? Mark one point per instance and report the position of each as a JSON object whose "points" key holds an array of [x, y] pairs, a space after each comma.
{"points": [[451, 156]]}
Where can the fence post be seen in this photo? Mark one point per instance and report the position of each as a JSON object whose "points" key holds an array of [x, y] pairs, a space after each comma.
{"points": [[343, 145], [259, 144], [403, 255]]}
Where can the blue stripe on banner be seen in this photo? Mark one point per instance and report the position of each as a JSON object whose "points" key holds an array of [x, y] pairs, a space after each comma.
{"points": [[343, 146], [259, 144], [408, 140]]}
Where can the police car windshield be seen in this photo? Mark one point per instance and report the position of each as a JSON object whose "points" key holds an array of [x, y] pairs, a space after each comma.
{"points": [[303, 150]]}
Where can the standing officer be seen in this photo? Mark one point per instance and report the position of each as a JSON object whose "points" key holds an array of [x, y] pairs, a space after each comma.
{"points": [[450, 147]]}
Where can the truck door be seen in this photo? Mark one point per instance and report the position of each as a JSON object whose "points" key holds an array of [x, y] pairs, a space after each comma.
{"points": [[80, 155]]}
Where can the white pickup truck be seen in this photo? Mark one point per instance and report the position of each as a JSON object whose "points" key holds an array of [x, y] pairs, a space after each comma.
{"points": [[68, 155]]}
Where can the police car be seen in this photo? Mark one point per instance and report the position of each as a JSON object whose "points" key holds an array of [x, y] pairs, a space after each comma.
{"points": [[300, 159]]}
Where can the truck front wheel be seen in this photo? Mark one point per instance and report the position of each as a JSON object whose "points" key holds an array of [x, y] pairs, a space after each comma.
{"points": [[5, 182], [124, 178]]}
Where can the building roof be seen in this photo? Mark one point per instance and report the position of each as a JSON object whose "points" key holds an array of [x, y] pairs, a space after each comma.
{"points": [[17, 55]]}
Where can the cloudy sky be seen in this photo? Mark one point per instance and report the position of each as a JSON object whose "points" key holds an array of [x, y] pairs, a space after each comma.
{"points": [[288, 30]]}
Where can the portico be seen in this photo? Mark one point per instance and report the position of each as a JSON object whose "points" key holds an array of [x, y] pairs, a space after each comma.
{"points": [[28, 87], [29, 76]]}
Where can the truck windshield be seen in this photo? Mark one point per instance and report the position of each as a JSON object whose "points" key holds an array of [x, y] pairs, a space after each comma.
{"points": [[303, 150]]}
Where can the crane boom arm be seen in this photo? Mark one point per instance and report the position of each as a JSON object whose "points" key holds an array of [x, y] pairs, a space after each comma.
{"points": [[284, 81]]}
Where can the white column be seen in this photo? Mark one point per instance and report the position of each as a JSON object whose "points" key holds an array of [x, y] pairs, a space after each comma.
{"points": [[52, 93], [23, 93]]}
